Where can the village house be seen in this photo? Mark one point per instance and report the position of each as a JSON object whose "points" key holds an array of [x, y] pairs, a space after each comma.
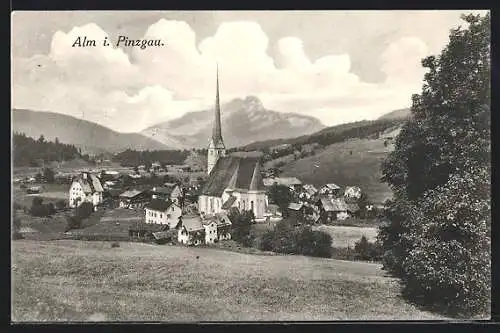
{"points": [[162, 212], [176, 192], [194, 230], [293, 183], [332, 209], [329, 189], [233, 181], [273, 212], [85, 188], [33, 190], [308, 192], [134, 199], [296, 212], [352, 192], [161, 193], [155, 167]]}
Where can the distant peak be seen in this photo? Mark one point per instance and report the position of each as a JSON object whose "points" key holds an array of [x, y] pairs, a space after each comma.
{"points": [[252, 103]]}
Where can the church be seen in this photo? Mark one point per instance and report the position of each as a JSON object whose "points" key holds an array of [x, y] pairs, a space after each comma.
{"points": [[233, 181]]}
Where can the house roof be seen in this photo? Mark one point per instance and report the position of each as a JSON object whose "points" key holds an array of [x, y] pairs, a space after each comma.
{"points": [[310, 189], [332, 186], [295, 206], [220, 219], [159, 205], [90, 184], [234, 172], [352, 191], [287, 181], [192, 223], [130, 194], [162, 190], [151, 227], [161, 235], [229, 202], [334, 204]]}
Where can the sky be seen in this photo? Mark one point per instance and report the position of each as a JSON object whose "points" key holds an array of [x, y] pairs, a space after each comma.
{"points": [[338, 66]]}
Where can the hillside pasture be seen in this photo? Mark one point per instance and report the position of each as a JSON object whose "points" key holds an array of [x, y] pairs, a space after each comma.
{"points": [[350, 163], [88, 281]]}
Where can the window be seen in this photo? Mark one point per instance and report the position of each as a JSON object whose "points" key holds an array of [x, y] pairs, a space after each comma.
{"points": [[161, 215]]}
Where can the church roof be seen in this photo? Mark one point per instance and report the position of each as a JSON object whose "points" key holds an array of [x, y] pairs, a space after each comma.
{"points": [[235, 172]]}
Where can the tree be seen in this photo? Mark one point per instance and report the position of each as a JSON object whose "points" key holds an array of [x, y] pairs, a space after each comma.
{"points": [[48, 175], [281, 196], [241, 227], [438, 236]]}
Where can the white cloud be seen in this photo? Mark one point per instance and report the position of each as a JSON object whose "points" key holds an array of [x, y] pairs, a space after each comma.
{"points": [[161, 83]]}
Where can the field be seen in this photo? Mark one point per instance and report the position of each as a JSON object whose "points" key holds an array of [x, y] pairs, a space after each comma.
{"points": [[351, 163], [347, 236], [49, 193], [90, 281]]}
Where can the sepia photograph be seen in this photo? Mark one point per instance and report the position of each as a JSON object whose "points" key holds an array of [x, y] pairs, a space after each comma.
{"points": [[250, 166]]}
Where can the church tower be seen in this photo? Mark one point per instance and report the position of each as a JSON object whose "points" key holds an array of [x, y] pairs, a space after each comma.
{"points": [[216, 148]]}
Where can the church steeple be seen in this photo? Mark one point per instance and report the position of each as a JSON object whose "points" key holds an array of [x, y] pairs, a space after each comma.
{"points": [[216, 148], [217, 132]]}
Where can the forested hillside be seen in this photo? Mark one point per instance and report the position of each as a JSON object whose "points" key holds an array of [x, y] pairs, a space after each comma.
{"points": [[30, 152]]}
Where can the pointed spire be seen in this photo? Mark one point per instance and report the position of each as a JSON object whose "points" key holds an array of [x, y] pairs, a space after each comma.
{"points": [[217, 132]]}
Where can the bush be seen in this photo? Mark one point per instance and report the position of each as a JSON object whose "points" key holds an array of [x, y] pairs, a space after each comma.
{"points": [[296, 240], [39, 209], [84, 210], [367, 251]]}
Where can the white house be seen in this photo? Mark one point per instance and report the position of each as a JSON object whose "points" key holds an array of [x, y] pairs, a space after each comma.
{"points": [[196, 231], [85, 188], [162, 212], [191, 231]]}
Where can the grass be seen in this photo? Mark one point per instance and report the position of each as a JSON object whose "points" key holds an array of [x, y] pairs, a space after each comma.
{"points": [[85, 281], [343, 236], [336, 164]]}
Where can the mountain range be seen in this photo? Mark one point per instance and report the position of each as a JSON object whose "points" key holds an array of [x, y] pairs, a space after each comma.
{"points": [[243, 121], [89, 136]]}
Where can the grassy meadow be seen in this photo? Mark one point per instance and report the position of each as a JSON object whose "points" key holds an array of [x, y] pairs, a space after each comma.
{"points": [[350, 163], [69, 280]]}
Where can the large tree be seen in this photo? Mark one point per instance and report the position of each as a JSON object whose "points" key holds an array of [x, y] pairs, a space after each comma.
{"points": [[438, 238]]}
